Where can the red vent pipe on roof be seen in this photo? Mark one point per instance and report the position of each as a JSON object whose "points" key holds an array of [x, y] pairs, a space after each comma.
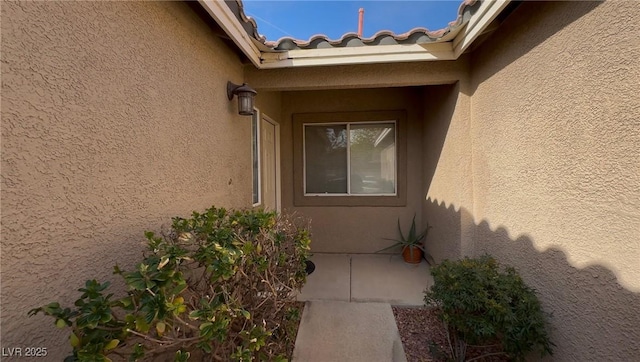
{"points": [[360, 21]]}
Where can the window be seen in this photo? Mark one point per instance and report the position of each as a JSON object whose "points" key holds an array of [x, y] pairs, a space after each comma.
{"points": [[350, 159], [255, 157]]}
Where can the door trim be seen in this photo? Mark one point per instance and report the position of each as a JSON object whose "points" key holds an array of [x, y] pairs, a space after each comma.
{"points": [[258, 144], [263, 117], [276, 126]]}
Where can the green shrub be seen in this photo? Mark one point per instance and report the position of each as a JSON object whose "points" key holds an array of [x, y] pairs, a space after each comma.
{"points": [[482, 303], [221, 283]]}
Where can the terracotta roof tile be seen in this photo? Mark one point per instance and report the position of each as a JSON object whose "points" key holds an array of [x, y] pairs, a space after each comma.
{"points": [[383, 37]]}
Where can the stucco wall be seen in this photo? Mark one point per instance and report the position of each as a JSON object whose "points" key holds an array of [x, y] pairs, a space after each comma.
{"points": [[269, 103], [355, 229], [114, 119], [447, 170], [358, 76], [556, 167]]}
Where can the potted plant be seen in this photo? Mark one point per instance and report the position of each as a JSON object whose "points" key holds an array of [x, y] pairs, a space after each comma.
{"points": [[412, 248]]}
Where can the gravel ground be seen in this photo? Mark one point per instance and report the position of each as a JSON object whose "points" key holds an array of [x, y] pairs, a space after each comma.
{"points": [[419, 328]]}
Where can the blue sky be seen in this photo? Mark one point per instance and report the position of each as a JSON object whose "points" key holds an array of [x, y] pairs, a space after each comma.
{"points": [[301, 19]]}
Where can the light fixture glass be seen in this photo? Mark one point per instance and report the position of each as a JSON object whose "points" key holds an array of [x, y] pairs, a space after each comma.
{"points": [[245, 95]]}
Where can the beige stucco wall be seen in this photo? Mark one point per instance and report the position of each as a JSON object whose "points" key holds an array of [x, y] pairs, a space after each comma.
{"points": [[269, 104], [555, 131], [114, 119], [355, 229], [357, 76], [446, 170]]}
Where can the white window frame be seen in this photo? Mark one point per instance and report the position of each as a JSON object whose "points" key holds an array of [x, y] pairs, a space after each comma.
{"points": [[255, 123], [348, 128]]}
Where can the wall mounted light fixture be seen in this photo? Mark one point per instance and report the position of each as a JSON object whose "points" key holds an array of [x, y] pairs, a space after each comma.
{"points": [[245, 95]]}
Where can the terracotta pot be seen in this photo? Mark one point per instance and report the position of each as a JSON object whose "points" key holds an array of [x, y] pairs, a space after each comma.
{"points": [[412, 258]]}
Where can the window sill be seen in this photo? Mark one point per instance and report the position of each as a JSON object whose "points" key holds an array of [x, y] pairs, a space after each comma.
{"points": [[385, 201]]}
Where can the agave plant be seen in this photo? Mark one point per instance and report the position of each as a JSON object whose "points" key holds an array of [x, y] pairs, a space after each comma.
{"points": [[411, 241]]}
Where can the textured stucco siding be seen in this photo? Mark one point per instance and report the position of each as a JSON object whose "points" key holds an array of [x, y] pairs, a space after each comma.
{"points": [[355, 229], [269, 104], [357, 76], [114, 119], [555, 131], [447, 170]]}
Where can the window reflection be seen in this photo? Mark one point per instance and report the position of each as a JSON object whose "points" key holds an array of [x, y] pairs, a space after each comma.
{"points": [[363, 153], [372, 159]]}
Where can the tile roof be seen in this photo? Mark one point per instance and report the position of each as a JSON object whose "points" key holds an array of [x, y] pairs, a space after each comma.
{"points": [[382, 37]]}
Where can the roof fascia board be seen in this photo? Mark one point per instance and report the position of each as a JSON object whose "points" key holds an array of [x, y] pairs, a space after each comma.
{"points": [[360, 51], [363, 59], [231, 25], [358, 55], [487, 12]]}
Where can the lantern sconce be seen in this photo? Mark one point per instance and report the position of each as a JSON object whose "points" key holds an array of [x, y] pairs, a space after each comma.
{"points": [[245, 95]]}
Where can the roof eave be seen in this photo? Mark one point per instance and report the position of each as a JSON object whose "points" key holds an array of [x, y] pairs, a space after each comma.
{"points": [[478, 24], [445, 49], [228, 21], [359, 55]]}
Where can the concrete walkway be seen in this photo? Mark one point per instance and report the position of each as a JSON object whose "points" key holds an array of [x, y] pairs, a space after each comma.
{"points": [[343, 331], [348, 316]]}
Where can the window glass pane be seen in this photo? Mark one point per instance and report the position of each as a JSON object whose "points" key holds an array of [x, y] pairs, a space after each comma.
{"points": [[255, 158], [325, 150], [373, 158]]}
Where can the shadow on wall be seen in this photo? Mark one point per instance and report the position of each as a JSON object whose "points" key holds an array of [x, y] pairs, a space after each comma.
{"points": [[441, 106], [441, 103], [593, 317]]}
